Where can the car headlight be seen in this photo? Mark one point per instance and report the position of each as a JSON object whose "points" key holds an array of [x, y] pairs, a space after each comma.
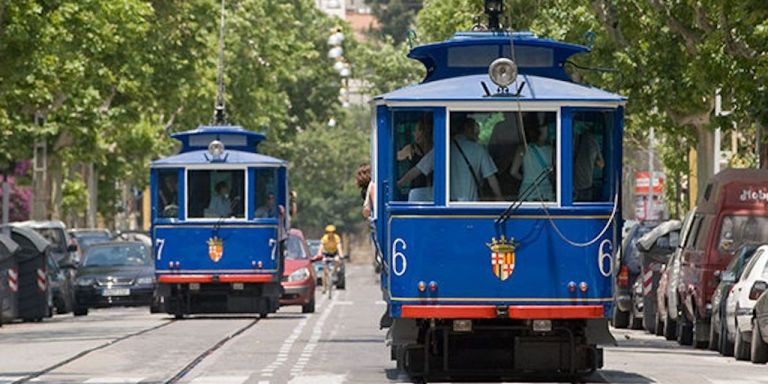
{"points": [[85, 281], [299, 275], [146, 280]]}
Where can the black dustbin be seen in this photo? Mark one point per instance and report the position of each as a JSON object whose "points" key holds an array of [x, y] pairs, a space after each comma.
{"points": [[34, 295], [9, 279]]}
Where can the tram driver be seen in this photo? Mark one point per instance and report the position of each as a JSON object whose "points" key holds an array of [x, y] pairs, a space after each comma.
{"points": [[220, 205]]}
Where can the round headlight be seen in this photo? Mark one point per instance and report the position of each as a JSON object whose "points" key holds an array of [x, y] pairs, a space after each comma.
{"points": [[503, 72], [216, 148]]}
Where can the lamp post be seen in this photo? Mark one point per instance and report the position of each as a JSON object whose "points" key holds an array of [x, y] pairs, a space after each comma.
{"points": [[340, 65]]}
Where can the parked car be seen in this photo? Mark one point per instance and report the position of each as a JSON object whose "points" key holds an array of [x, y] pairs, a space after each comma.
{"points": [[133, 236], [655, 249], [317, 262], [731, 212], [740, 302], [299, 280], [668, 308], [627, 272], [719, 337], [62, 288], [115, 273], [85, 237], [63, 249], [759, 344]]}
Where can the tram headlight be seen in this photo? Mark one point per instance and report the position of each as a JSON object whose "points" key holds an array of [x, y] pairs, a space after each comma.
{"points": [[216, 149], [503, 72]]}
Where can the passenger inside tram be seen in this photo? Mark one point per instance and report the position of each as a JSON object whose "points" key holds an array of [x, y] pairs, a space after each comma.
{"points": [[420, 186], [529, 164], [220, 204], [269, 209]]}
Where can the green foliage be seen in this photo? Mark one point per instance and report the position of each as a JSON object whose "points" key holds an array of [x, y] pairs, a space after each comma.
{"points": [[384, 66], [395, 17]]}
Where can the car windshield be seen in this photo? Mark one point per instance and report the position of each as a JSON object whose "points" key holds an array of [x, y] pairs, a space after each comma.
{"points": [[314, 246], [118, 255], [88, 239], [55, 236], [738, 230], [294, 249]]}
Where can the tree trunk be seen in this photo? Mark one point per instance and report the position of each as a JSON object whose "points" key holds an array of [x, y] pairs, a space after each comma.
{"points": [[705, 161]]}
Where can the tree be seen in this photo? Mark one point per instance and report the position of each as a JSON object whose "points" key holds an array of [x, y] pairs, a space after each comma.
{"points": [[395, 17]]}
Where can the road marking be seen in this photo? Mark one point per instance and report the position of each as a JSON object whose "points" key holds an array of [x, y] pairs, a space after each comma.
{"points": [[114, 380], [344, 302], [220, 380], [285, 349], [10, 379], [309, 348], [380, 302], [318, 379]]}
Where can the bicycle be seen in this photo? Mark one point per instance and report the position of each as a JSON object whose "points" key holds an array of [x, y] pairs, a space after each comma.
{"points": [[329, 276]]}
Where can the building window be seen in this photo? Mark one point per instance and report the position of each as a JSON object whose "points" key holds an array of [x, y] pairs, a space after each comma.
{"points": [[216, 194]]}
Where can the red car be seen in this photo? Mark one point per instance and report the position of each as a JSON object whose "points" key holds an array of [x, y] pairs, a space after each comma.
{"points": [[299, 278]]}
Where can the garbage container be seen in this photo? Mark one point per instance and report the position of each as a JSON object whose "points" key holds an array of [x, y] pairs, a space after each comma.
{"points": [[9, 279], [34, 294]]}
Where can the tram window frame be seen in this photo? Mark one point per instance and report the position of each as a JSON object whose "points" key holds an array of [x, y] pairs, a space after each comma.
{"points": [[242, 206], [160, 205], [556, 177], [400, 167], [260, 196], [603, 187]]}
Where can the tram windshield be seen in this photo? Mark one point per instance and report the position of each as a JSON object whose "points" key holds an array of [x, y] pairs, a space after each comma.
{"points": [[489, 160], [216, 194], [266, 194], [168, 193]]}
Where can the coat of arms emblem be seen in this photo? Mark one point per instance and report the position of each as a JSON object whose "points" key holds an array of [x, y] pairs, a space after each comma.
{"points": [[502, 257], [215, 248]]}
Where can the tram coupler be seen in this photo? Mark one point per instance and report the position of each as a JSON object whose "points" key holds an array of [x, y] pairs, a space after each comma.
{"points": [[502, 312]]}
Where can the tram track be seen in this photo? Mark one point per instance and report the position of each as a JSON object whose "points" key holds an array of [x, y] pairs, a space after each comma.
{"points": [[88, 351], [177, 377]]}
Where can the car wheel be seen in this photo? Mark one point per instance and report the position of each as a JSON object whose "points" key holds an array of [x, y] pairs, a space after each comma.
{"points": [[759, 349], [309, 307], [620, 319], [726, 346], [714, 337], [684, 330], [670, 327], [80, 311], [741, 347], [698, 339], [659, 325]]}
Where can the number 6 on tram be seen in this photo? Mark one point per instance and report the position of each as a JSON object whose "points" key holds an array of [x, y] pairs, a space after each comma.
{"points": [[218, 224], [498, 208]]}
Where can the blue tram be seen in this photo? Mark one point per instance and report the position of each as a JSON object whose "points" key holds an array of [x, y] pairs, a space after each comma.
{"points": [[497, 208], [218, 224]]}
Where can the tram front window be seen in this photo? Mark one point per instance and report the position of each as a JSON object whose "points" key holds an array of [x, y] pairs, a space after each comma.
{"points": [[266, 194], [489, 160], [168, 193], [216, 194], [413, 156], [591, 138]]}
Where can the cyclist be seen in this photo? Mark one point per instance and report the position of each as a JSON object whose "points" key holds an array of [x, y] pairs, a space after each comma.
{"points": [[332, 252]]}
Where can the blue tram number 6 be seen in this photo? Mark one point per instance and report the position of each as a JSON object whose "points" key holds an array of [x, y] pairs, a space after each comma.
{"points": [[399, 262], [604, 252]]}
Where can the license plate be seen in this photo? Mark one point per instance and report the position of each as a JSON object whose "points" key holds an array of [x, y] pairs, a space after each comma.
{"points": [[116, 292]]}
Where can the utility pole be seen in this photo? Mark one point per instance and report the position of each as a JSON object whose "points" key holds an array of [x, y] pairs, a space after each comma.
{"points": [[649, 202]]}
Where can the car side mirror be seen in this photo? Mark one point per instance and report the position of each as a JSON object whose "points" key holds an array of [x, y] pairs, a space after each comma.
{"points": [[72, 248]]}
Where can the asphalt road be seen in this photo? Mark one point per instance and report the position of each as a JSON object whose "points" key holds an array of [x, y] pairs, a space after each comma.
{"points": [[341, 343]]}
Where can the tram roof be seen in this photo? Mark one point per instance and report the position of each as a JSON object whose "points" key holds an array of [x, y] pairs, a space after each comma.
{"points": [[469, 88], [230, 157], [470, 53], [233, 136]]}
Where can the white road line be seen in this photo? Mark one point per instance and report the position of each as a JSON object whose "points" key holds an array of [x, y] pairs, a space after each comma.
{"points": [[318, 379], [10, 379], [114, 380], [380, 302], [317, 331], [220, 380], [285, 349]]}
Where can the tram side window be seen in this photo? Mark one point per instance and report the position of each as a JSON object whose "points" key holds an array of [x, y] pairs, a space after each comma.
{"points": [[216, 194], [413, 156], [266, 194], [168, 193], [489, 160], [591, 148]]}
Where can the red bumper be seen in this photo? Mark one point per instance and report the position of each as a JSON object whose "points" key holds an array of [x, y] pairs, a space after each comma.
{"points": [[514, 311], [186, 279]]}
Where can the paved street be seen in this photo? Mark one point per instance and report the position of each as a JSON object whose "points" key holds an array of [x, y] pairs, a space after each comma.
{"points": [[338, 344]]}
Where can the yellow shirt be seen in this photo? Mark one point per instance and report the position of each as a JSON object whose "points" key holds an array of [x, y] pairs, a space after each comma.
{"points": [[331, 243]]}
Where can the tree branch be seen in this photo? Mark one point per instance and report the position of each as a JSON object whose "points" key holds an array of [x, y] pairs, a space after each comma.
{"points": [[607, 14], [690, 39], [169, 124], [732, 44], [104, 108]]}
